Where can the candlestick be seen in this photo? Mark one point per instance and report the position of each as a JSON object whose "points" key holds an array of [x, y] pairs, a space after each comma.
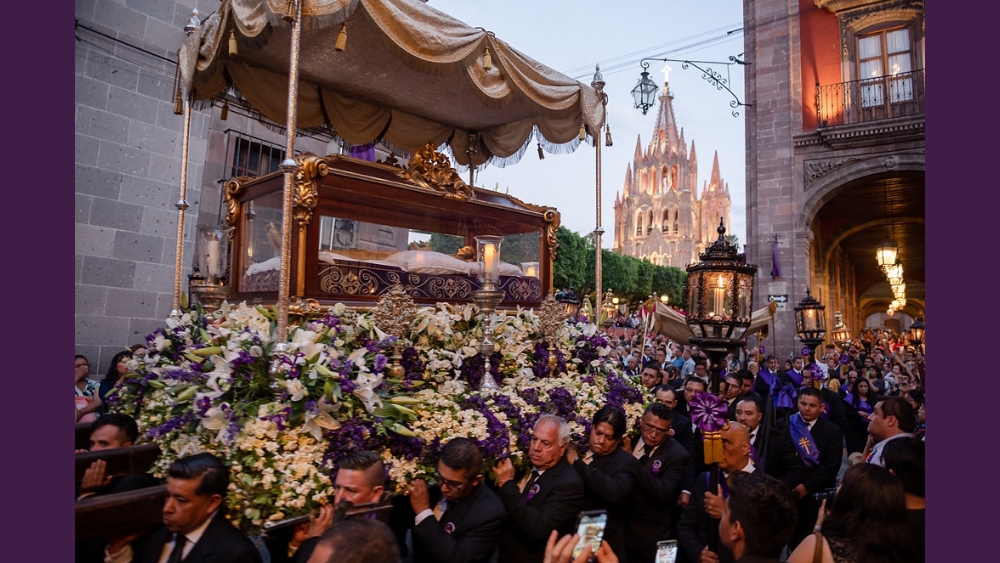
{"points": [[213, 256]]}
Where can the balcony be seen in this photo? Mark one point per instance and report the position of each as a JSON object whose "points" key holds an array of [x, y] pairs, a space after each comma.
{"points": [[871, 99]]}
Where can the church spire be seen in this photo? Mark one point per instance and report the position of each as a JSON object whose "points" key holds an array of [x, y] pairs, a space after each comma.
{"points": [[628, 181], [665, 131], [715, 182], [638, 149]]}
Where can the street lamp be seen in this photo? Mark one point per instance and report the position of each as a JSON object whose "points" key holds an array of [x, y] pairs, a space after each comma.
{"points": [[917, 331], [810, 322], [841, 334], [719, 291], [644, 93]]}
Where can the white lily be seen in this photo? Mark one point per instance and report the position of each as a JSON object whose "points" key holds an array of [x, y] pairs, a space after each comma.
{"points": [[295, 388], [364, 389], [321, 420]]}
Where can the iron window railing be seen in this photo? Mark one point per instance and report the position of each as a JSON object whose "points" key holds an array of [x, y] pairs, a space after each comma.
{"points": [[871, 99]]}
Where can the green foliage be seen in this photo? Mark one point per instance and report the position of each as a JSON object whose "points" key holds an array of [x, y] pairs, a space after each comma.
{"points": [[570, 267], [445, 244]]}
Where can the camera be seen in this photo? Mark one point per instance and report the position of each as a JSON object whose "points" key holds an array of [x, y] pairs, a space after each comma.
{"points": [[824, 495]]}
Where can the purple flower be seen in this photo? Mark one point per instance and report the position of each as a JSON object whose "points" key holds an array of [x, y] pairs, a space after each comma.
{"points": [[380, 361]]}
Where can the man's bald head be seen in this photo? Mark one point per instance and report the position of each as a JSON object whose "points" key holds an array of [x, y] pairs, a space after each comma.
{"points": [[735, 447]]}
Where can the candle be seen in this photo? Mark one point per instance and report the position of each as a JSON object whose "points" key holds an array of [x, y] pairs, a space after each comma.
{"points": [[718, 297], [213, 257], [489, 261]]}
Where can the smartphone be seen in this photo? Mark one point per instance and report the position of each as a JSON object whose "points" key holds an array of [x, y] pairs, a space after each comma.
{"points": [[666, 551], [590, 525]]}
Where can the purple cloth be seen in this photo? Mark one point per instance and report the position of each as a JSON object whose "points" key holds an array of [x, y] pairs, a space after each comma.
{"points": [[364, 152], [803, 440], [775, 265]]}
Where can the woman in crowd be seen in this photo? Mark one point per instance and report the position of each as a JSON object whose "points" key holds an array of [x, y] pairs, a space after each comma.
{"points": [[88, 401], [866, 521], [116, 370], [859, 405]]}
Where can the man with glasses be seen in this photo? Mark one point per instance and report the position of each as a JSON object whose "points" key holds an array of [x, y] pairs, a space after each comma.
{"points": [[464, 521], [662, 465], [548, 498]]}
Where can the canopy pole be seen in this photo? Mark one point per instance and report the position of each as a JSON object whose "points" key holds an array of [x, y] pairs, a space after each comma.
{"points": [[289, 167], [598, 85], [182, 206]]}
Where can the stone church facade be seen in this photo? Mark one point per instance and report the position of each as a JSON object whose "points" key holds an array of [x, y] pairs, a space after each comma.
{"points": [[659, 216]]}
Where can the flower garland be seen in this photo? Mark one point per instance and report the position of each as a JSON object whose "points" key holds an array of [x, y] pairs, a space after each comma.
{"points": [[282, 420]]}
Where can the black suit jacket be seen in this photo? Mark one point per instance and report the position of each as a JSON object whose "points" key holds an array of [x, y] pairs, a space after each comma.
{"points": [[653, 497], [467, 532], [694, 528], [221, 543], [779, 458], [829, 439], [607, 484], [530, 521]]}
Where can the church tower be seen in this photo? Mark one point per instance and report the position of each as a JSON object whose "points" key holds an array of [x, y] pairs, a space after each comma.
{"points": [[658, 214]]}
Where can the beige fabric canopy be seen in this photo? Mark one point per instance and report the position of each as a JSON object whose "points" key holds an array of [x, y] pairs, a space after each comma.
{"points": [[410, 75], [668, 322]]}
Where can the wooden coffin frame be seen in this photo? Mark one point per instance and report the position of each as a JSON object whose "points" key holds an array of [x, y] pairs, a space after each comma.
{"points": [[427, 195]]}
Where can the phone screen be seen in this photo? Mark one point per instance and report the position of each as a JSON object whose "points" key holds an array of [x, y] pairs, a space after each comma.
{"points": [[591, 530], [666, 551]]}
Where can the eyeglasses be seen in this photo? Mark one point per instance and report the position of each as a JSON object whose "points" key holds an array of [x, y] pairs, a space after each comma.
{"points": [[453, 485], [655, 429]]}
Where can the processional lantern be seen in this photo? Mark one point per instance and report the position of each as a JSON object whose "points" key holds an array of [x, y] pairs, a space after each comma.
{"points": [[810, 322]]}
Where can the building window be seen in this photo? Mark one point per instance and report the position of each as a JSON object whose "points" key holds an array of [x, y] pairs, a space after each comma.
{"points": [[252, 156], [885, 60]]}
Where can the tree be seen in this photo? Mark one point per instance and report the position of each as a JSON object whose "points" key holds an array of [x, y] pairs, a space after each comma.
{"points": [[570, 267]]}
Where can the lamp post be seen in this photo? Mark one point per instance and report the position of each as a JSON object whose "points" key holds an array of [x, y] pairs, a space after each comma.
{"points": [[810, 322], [841, 334], [917, 331], [719, 291]]}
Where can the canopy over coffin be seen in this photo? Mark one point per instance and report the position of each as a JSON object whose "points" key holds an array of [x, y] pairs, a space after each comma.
{"points": [[410, 75]]}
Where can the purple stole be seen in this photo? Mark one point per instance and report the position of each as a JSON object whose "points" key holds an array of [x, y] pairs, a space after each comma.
{"points": [[768, 378], [803, 440], [796, 377], [862, 406]]}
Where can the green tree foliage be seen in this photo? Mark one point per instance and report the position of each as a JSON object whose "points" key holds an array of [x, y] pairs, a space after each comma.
{"points": [[570, 268]]}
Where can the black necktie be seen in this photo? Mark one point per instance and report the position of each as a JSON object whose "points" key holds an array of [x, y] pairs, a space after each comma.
{"points": [[178, 552], [647, 451], [531, 481]]}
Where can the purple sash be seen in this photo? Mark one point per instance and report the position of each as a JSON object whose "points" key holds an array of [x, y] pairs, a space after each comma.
{"points": [[768, 378], [796, 376], [786, 395], [803, 440]]}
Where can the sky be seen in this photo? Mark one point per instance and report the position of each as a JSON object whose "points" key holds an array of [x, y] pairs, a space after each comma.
{"points": [[571, 36]]}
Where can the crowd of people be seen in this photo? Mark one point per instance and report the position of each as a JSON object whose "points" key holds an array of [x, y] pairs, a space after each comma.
{"points": [[821, 461]]}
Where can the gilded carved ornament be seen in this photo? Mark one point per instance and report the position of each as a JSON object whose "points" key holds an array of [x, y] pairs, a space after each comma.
{"points": [[305, 196], [432, 170]]}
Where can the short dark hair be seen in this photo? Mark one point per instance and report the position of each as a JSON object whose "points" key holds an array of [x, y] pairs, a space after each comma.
{"points": [[367, 461], [360, 540], [905, 457], [664, 387], [213, 473], [906, 416], [462, 454], [81, 357], [746, 374], [755, 399], [765, 509], [661, 411], [122, 422], [614, 416], [652, 364], [812, 392]]}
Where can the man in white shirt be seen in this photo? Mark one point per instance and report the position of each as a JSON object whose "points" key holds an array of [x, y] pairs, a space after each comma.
{"points": [[893, 418]]}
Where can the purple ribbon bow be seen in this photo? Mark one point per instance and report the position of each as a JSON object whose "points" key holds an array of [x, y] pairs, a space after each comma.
{"points": [[708, 412]]}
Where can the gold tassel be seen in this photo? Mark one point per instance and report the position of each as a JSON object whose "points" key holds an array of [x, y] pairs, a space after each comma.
{"points": [[289, 14], [232, 43], [224, 114], [583, 131], [341, 38], [607, 136], [541, 156], [487, 60]]}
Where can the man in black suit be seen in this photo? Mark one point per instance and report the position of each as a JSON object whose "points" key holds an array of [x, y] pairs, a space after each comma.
{"points": [[832, 408], [194, 527], [820, 447], [688, 436], [758, 518], [662, 465], [770, 448], [608, 473], [549, 498], [467, 516], [701, 516]]}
